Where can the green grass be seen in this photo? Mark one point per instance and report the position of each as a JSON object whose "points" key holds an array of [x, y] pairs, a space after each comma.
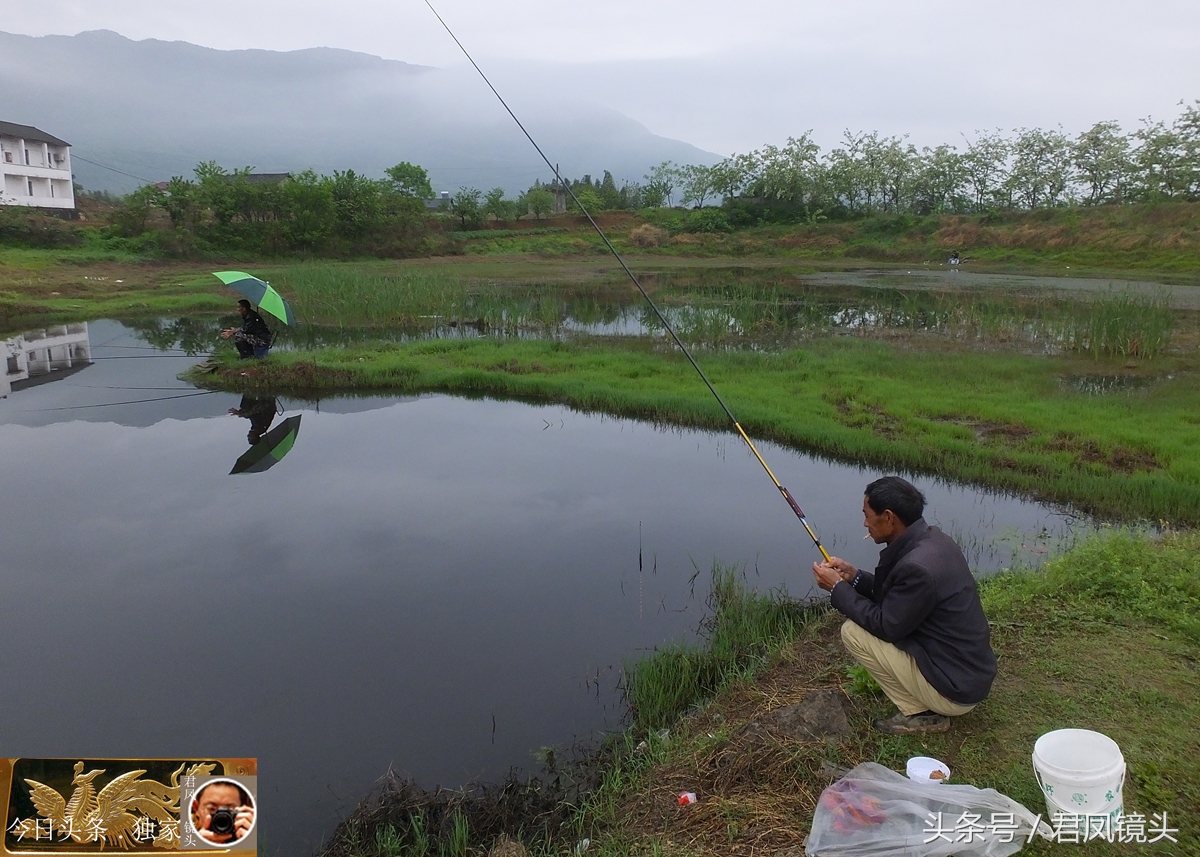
{"points": [[1135, 239], [372, 297], [1105, 638], [1008, 421], [493, 234], [742, 629]]}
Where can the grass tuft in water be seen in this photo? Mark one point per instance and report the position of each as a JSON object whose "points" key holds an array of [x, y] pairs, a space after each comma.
{"points": [[742, 630], [1121, 325]]}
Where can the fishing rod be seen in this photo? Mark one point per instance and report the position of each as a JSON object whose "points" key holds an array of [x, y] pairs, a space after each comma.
{"points": [[787, 495]]}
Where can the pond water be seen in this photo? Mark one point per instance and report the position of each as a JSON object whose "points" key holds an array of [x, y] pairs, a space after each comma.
{"points": [[435, 585]]}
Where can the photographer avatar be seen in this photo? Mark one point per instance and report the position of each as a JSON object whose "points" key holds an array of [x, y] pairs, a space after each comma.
{"points": [[222, 812]]}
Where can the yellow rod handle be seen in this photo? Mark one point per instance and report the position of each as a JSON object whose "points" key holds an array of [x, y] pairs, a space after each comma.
{"points": [[787, 495]]}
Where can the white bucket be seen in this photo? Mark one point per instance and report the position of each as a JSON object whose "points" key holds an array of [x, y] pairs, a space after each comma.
{"points": [[1080, 772]]}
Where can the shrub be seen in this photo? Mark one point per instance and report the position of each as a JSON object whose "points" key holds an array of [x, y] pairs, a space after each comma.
{"points": [[706, 220], [647, 235], [24, 228]]}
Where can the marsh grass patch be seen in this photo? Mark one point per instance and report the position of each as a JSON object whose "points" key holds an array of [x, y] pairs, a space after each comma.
{"points": [[1118, 458]]}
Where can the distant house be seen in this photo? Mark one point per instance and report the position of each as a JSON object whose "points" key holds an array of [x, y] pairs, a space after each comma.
{"points": [[441, 202], [36, 168], [266, 178]]}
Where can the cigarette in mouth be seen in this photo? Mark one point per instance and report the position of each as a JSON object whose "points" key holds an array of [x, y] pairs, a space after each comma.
{"points": [[867, 536]]}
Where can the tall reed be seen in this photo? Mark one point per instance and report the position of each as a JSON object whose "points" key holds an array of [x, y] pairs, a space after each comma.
{"points": [[741, 630], [1121, 325], [757, 315]]}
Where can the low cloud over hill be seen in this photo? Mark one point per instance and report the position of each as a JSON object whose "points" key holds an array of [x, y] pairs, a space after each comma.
{"points": [[154, 109]]}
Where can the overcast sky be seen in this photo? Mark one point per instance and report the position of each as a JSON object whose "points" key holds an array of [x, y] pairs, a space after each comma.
{"points": [[732, 75]]}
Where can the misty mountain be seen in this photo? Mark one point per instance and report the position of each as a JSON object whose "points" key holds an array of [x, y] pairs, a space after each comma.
{"points": [[154, 109]]}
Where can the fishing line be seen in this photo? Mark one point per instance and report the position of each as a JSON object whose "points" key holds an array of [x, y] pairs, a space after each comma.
{"points": [[118, 387], [114, 404], [787, 495], [176, 351], [157, 356], [120, 335]]}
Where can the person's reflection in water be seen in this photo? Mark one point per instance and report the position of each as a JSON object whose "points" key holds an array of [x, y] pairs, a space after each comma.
{"points": [[260, 412]]}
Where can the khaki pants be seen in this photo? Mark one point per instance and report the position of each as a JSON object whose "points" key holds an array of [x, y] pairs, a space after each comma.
{"points": [[897, 673]]}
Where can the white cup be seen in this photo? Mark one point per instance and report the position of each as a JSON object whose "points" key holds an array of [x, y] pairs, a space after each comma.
{"points": [[920, 769]]}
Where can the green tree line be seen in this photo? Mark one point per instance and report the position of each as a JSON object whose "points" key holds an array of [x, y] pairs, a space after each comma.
{"points": [[473, 207], [867, 173], [305, 212]]}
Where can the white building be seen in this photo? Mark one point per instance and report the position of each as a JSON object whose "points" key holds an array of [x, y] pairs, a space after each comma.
{"points": [[43, 355], [36, 168]]}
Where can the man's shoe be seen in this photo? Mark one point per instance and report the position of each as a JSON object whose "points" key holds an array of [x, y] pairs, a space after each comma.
{"points": [[914, 724]]}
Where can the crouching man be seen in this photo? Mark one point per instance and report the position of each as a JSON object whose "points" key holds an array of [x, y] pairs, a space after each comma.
{"points": [[916, 624]]}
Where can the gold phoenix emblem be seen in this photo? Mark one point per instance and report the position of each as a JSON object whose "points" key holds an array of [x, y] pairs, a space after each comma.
{"points": [[128, 812]]}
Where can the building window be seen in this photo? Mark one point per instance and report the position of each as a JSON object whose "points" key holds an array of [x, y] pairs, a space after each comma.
{"points": [[29, 184], [26, 157]]}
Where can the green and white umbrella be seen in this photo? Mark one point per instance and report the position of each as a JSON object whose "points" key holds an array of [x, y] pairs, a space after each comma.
{"points": [[257, 292], [274, 445]]}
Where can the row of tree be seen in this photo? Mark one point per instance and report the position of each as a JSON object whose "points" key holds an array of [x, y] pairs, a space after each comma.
{"points": [[238, 210], [868, 173], [346, 211], [473, 207], [1032, 168], [865, 174]]}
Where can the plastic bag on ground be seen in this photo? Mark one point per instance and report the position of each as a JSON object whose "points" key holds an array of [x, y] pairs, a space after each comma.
{"points": [[874, 811]]}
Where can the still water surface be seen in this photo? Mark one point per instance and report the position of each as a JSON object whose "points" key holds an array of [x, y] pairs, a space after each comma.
{"points": [[437, 585]]}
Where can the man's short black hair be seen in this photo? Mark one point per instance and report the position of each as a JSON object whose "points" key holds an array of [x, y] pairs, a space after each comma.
{"points": [[245, 303], [899, 495], [243, 797]]}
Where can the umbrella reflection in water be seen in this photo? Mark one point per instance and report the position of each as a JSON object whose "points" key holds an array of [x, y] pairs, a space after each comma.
{"points": [[266, 447]]}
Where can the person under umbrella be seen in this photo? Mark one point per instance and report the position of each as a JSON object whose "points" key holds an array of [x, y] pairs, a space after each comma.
{"points": [[253, 338]]}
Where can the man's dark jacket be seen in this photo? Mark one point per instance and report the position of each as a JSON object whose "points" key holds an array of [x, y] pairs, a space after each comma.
{"points": [[254, 327], [923, 599]]}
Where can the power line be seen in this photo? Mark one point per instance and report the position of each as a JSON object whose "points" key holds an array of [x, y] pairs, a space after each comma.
{"points": [[114, 169]]}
